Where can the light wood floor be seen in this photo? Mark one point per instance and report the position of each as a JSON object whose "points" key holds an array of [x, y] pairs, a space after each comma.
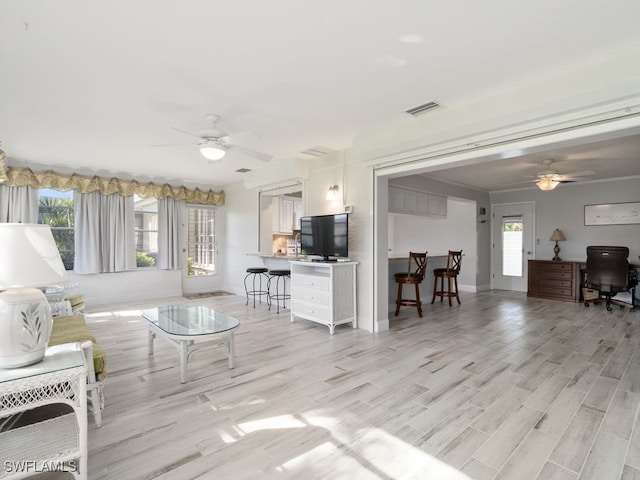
{"points": [[501, 387]]}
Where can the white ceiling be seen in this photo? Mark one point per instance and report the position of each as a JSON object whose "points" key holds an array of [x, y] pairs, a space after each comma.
{"points": [[91, 86]]}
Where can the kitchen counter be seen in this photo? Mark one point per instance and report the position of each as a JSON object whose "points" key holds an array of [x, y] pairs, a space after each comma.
{"points": [[273, 261], [280, 256], [393, 257]]}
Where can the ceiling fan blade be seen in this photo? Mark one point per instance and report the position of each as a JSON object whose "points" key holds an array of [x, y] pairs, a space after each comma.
{"points": [[185, 132], [524, 182], [586, 173], [251, 153], [168, 145], [242, 138]]}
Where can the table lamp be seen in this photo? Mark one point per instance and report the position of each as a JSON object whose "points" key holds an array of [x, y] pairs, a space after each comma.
{"points": [[29, 258], [557, 236]]}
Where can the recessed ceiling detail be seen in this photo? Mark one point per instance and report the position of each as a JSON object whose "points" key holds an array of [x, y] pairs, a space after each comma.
{"points": [[318, 151], [422, 109]]}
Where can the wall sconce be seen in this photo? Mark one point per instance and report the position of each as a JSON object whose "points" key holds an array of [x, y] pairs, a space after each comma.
{"points": [[557, 236], [332, 193]]}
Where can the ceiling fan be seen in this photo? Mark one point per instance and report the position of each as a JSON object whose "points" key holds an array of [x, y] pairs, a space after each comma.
{"points": [[549, 179], [214, 142]]}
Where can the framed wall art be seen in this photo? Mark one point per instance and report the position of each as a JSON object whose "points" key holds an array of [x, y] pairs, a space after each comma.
{"points": [[612, 214]]}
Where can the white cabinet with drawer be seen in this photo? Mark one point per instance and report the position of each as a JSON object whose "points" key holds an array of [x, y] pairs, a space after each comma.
{"points": [[324, 292]]}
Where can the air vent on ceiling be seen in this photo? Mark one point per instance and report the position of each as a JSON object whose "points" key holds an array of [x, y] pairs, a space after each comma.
{"points": [[243, 170], [318, 151], [422, 109]]}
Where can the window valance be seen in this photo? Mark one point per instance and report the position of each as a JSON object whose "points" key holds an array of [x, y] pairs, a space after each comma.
{"points": [[3, 175], [19, 177]]}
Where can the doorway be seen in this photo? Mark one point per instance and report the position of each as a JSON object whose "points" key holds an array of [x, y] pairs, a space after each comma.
{"points": [[201, 233], [513, 234]]}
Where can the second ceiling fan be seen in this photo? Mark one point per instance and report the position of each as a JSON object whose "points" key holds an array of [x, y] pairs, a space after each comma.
{"points": [[549, 179]]}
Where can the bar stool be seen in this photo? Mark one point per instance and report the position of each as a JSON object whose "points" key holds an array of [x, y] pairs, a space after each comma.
{"points": [[257, 273], [412, 278], [454, 262], [279, 295]]}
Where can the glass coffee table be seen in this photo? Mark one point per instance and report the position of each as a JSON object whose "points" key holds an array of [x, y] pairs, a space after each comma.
{"points": [[190, 328]]}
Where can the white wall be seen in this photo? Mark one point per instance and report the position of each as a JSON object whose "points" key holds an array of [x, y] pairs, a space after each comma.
{"points": [[563, 208], [413, 233], [478, 233], [240, 235], [338, 169], [355, 183]]}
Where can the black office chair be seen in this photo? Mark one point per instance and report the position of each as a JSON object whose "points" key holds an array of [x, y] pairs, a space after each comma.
{"points": [[608, 272]]}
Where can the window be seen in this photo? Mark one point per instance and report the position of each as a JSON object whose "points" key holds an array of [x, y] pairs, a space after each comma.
{"points": [[201, 240], [512, 246], [146, 225], [56, 210]]}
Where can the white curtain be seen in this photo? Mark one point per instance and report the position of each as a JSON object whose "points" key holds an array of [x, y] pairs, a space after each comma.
{"points": [[170, 220], [18, 204], [104, 233]]}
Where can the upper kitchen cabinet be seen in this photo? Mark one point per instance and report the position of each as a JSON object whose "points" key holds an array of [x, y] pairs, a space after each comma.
{"points": [[287, 213], [413, 202]]}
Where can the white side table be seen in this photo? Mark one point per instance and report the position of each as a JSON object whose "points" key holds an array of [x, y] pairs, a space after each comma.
{"points": [[51, 445]]}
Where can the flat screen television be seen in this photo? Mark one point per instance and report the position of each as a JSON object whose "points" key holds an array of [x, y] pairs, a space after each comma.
{"points": [[326, 236]]}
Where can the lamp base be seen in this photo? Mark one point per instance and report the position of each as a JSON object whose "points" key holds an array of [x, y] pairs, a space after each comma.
{"points": [[25, 327], [556, 250]]}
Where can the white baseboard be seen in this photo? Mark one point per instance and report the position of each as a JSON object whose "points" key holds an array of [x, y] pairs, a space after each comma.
{"points": [[383, 325]]}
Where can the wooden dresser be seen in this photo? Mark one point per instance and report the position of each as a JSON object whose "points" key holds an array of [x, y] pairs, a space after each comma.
{"points": [[554, 280]]}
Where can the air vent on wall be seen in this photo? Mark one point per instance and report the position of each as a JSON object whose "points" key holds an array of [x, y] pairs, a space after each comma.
{"points": [[422, 109], [243, 170]]}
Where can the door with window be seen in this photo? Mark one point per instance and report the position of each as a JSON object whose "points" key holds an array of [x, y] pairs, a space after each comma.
{"points": [[513, 241], [201, 252]]}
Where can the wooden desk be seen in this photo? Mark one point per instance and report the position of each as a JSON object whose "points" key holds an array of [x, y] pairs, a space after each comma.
{"points": [[557, 280]]}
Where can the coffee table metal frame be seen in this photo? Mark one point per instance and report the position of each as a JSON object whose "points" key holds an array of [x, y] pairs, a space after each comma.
{"points": [[186, 343]]}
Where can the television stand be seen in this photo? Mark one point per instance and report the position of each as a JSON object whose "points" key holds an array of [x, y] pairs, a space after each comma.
{"points": [[324, 260], [324, 293]]}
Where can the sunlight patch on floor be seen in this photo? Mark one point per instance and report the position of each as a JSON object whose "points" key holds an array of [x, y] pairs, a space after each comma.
{"points": [[371, 453], [118, 313], [271, 423]]}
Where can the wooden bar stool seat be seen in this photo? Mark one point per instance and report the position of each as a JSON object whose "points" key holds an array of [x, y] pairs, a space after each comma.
{"points": [[454, 261], [418, 261]]}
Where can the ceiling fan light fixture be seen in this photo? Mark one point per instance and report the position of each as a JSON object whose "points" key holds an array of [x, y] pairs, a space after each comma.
{"points": [[212, 150], [547, 184]]}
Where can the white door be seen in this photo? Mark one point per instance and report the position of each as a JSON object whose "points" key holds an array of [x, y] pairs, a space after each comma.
{"points": [[513, 240], [201, 252]]}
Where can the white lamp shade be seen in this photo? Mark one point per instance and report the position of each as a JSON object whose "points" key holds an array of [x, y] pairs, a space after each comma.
{"points": [[212, 151], [547, 184], [29, 256]]}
